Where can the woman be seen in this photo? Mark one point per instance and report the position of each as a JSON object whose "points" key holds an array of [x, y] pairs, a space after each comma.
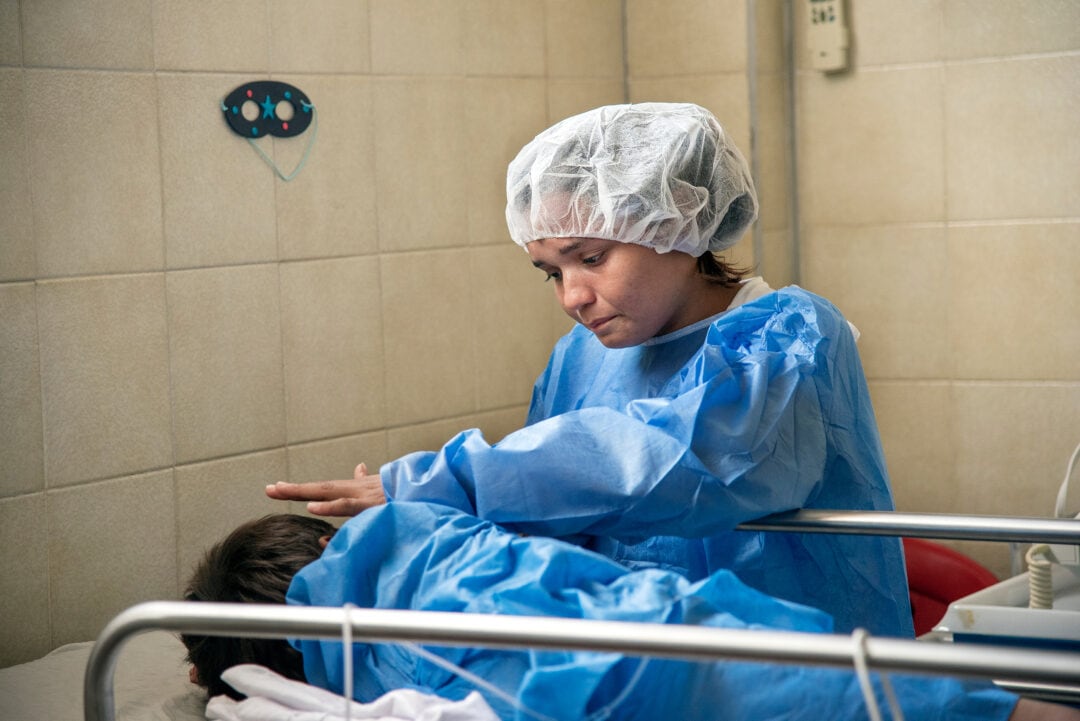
{"points": [[686, 400]]}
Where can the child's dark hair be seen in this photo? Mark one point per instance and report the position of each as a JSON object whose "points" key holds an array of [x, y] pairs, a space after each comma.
{"points": [[254, 564]]}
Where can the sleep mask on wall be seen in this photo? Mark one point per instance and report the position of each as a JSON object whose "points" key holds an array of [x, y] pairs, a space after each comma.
{"points": [[269, 107]]}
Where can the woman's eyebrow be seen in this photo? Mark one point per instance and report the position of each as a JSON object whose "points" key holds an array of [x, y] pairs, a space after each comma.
{"points": [[568, 249], [565, 250]]}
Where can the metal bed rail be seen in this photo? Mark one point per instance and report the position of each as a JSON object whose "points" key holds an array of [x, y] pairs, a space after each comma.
{"points": [[701, 643], [923, 525], [692, 642]]}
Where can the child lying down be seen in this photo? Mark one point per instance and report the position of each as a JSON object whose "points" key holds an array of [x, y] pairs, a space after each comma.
{"points": [[428, 557]]}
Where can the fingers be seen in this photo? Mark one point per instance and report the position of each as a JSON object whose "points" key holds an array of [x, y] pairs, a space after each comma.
{"points": [[340, 507], [316, 491], [333, 498]]}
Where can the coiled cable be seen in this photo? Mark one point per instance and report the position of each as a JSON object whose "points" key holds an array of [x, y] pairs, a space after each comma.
{"points": [[1040, 560]]}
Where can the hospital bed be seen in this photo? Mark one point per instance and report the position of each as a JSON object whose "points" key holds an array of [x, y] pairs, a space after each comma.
{"points": [[149, 679]]}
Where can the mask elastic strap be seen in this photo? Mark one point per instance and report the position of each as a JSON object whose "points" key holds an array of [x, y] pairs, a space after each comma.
{"points": [[862, 671], [303, 160]]}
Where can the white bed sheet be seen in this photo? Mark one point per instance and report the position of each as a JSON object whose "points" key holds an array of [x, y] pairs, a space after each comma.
{"points": [[151, 683]]}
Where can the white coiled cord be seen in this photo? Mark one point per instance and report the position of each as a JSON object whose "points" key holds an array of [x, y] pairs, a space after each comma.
{"points": [[1040, 560]]}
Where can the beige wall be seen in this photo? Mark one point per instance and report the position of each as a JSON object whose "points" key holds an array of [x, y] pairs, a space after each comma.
{"points": [[939, 189], [178, 327]]}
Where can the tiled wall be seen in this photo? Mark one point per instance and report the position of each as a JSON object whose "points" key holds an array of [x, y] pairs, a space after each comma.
{"points": [[939, 188], [178, 327]]}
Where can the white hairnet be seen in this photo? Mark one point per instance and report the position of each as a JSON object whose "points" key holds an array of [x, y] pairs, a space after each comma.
{"points": [[662, 175]]}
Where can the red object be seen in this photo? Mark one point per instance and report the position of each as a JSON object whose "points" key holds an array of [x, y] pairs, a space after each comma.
{"points": [[937, 576]]}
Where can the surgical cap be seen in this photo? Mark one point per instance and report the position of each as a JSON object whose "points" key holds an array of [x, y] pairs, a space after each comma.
{"points": [[662, 175]]}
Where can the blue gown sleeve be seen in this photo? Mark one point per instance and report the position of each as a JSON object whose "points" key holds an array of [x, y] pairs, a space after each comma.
{"points": [[741, 434]]}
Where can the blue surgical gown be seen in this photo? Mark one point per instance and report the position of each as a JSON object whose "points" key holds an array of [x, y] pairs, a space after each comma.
{"points": [[651, 455], [416, 556]]}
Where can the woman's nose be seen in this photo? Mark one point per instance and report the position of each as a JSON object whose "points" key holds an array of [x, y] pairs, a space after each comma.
{"points": [[576, 293]]}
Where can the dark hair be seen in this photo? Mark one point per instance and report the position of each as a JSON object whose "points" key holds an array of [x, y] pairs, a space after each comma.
{"points": [[254, 564], [716, 271]]}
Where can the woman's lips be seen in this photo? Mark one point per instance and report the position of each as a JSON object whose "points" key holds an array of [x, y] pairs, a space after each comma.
{"points": [[595, 325]]}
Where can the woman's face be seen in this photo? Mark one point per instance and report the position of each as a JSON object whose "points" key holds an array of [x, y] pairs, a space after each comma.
{"points": [[624, 293]]}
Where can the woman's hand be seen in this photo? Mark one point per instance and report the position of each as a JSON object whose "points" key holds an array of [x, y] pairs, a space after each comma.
{"points": [[334, 498]]}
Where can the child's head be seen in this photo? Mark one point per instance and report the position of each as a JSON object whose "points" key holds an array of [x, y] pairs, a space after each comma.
{"points": [[254, 564]]}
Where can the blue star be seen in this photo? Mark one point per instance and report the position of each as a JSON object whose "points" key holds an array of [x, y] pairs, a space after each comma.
{"points": [[268, 108]]}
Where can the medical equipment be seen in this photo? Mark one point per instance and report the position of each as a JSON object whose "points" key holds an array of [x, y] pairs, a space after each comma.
{"points": [[1039, 608]]}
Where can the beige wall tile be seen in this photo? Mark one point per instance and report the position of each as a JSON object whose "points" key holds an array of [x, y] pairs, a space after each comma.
{"points": [[428, 316], [891, 282], [332, 331], [213, 498], [884, 32], [24, 558], [777, 264], [1013, 442], [95, 176], [861, 157], [418, 37], [328, 36], [497, 424], [17, 259], [223, 37], [336, 458], [992, 28], [769, 24], [584, 39], [1012, 150], [219, 195], [504, 38], [104, 376], [103, 34], [425, 436], [21, 450], [226, 361], [726, 96], [691, 37], [771, 149], [111, 545], [511, 302], [10, 33], [328, 209], [915, 419], [570, 97], [501, 116], [1027, 328], [420, 163]]}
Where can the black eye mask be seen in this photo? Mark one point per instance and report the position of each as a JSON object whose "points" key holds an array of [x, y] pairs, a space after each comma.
{"points": [[267, 94]]}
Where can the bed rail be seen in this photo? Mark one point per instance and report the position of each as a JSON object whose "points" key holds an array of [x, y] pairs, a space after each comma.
{"points": [[923, 525], [1012, 664]]}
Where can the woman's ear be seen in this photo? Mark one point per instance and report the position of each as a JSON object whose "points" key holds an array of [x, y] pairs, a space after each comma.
{"points": [[324, 541]]}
